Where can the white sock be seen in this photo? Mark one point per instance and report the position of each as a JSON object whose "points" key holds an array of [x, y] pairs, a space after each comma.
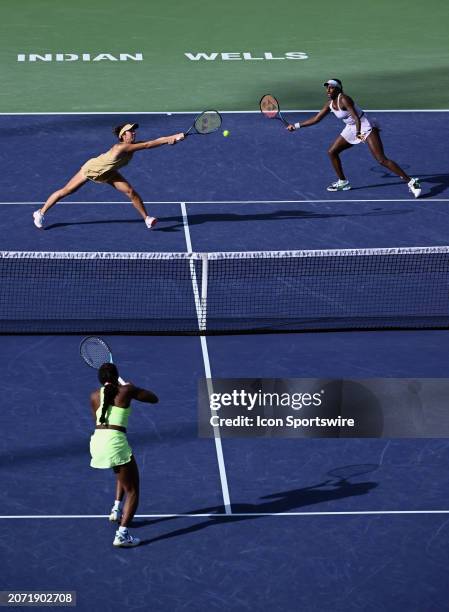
{"points": [[117, 505], [123, 531]]}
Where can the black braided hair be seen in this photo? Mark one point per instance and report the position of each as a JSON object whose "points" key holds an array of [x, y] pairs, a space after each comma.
{"points": [[117, 129], [108, 377]]}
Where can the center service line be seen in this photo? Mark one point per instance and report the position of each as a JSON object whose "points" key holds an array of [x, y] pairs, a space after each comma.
{"points": [[207, 368]]}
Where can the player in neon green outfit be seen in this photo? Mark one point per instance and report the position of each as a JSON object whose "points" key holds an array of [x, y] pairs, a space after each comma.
{"points": [[109, 445]]}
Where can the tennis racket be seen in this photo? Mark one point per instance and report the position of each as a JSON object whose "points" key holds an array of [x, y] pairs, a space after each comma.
{"points": [[269, 106], [206, 123], [95, 352]]}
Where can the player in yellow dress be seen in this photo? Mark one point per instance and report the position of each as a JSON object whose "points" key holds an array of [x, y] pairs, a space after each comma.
{"points": [[104, 169]]}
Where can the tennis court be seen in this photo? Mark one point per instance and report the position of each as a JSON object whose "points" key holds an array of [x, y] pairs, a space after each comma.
{"points": [[247, 523]]}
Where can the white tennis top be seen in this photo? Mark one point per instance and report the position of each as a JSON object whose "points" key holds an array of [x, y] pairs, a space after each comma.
{"points": [[344, 115]]}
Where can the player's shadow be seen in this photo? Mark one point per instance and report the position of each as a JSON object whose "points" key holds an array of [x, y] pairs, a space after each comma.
{"points": [[439, 182], [285, 501], [199, 219], [98, 222], [380, 173], [375, 185]]}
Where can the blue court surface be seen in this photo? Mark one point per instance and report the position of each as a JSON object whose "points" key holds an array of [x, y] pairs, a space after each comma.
{"points": [[243, 524]]}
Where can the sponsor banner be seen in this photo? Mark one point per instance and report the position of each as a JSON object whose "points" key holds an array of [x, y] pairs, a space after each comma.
{"points": [[324, 408]]}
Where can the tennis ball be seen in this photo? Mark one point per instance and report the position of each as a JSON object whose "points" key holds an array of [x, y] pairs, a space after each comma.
{"points": [[226, 133]]}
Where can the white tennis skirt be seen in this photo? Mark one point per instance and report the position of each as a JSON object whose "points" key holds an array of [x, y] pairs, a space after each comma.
{"points": [[366, 127]]}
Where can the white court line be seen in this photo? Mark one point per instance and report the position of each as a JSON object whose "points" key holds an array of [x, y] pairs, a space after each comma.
{"points": [[186, 227], [329, 201], [206, 361], [236, 112], [233, 515]]}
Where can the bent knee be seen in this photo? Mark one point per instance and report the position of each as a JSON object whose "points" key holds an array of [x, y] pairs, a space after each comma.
{"points": [[131, 193]]}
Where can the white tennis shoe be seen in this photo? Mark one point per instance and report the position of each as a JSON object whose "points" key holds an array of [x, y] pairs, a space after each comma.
{"points": [[38, 219], [125, 540], [339, 186], [150, 222], [115, 516], [414, 187]]}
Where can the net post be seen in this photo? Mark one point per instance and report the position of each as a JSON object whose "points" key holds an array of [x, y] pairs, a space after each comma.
{"points": [[204, 280]]}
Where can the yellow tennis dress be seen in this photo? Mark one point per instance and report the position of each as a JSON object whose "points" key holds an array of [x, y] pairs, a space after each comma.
{"points": [[109, 447], [100, 169]]}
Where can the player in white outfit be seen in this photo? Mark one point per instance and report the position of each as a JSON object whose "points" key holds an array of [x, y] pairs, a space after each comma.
{"points": [[358, 128]]}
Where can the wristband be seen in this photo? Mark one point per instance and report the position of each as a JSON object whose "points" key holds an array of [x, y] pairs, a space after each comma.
{"points": [[297, 126]]}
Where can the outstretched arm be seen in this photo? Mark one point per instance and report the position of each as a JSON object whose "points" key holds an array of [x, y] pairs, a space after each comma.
{"points": [[150, 144], [315, 119]]}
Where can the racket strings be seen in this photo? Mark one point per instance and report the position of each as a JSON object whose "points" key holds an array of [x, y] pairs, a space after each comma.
{"points": [[95, 352], [208, 122], [269, 106]]}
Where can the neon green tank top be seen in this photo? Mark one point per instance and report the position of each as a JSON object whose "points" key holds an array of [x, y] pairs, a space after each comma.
{"points": [[114, 414]]}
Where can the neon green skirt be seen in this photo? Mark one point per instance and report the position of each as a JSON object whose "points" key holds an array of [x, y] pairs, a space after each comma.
{"points": [[108, 448]]}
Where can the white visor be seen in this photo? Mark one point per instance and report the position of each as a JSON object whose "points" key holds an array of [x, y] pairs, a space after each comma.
{"points": [[332, 83]]}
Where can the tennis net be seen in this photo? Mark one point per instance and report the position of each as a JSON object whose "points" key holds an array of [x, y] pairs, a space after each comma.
{"points": [[199, 293]]}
